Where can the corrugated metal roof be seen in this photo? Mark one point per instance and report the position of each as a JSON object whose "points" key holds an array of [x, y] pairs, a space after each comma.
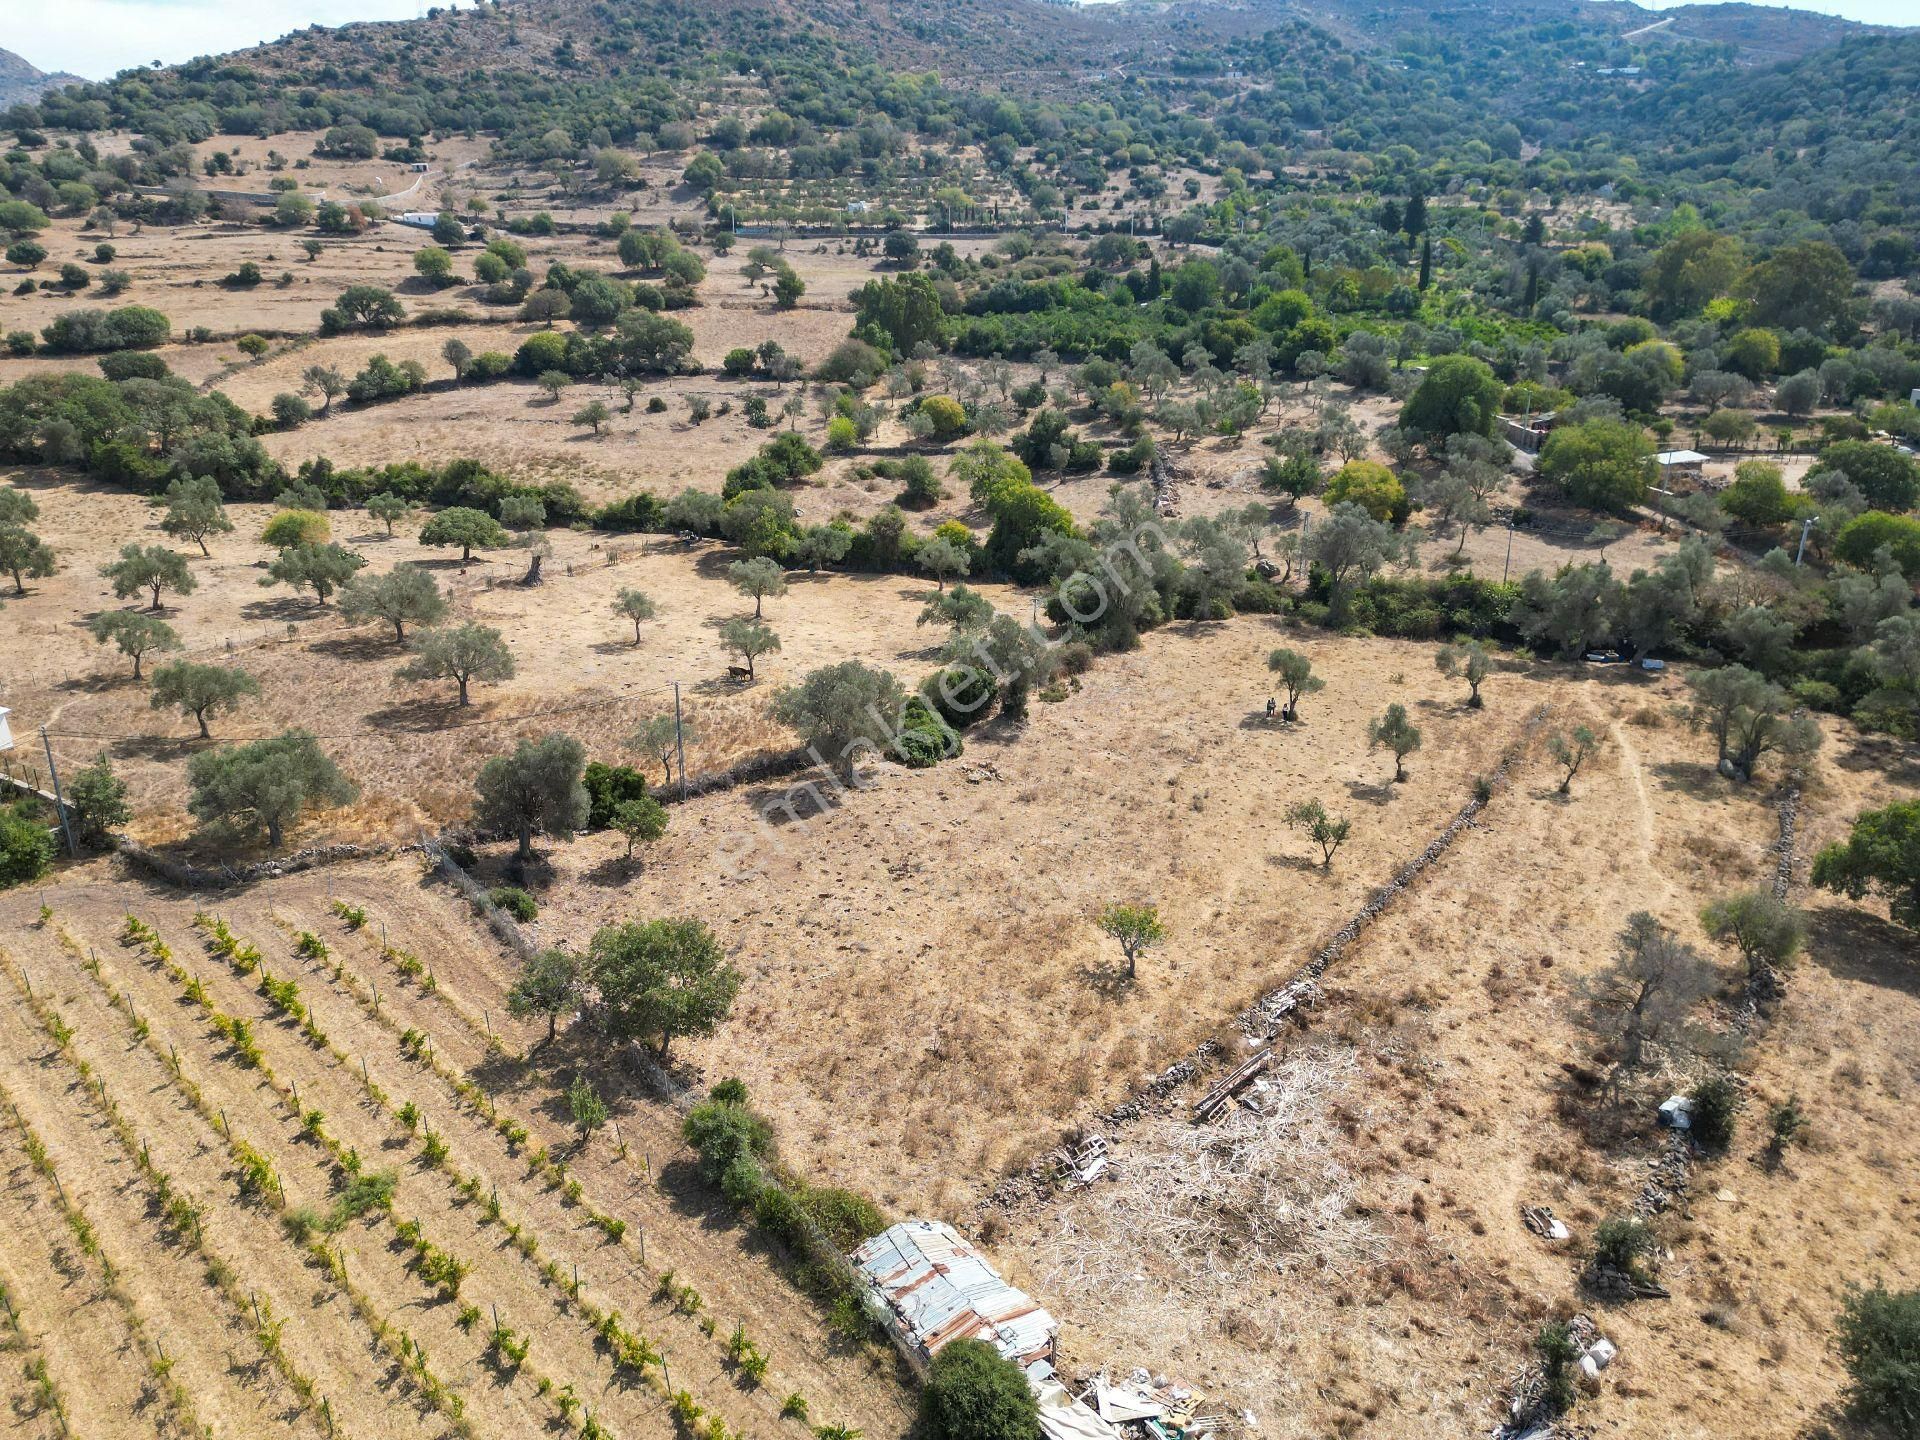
{"points": [[934, 1288]]}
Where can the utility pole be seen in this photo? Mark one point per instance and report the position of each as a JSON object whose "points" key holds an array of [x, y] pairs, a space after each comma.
{"points": [[1807, 527], [53, 771], [679, 742], [1507, 564]]}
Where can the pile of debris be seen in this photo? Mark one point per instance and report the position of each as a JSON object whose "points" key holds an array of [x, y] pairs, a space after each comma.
{"points": [[1153, 1407]]}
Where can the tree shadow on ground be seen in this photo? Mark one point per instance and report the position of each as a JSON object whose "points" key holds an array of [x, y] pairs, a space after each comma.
{"points": [[1857, 945], [802, 800], [615, 870], [1303, 864], [1109, 979], [1695, 780], [1371, 792], [283, 607], [420, 717], [361, 646], [1898, 760]]}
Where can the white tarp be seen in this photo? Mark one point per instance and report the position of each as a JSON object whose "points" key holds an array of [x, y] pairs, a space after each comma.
{"points": [[1064, 1418]]}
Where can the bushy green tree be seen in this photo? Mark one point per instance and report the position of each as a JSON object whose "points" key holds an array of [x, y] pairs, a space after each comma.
{"points": [[1457, 395], [405, 595], [535, 790], [662, 979], [266, 783], [1602, 463], [1880, 856], [1879, 1335], [973, 1393]]}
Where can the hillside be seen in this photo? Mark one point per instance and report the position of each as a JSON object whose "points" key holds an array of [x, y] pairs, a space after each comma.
{"points": [[20, 80]]}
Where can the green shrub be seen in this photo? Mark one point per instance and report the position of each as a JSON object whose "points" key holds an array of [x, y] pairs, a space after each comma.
{"points": [[1620, 1244], [924, 739], [608, 788], [722, 1134], [777, 1212], [636, 512], [848, 1218], [515, 901], [960, 694], [26, 846], [1879, 1336], [973, 1393], [1715, 1100], [1554, 1345]]}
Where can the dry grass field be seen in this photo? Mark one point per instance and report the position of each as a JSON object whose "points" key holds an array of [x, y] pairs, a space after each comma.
{"points": [[1384, 1285], [928, 1005], [406, 742]]}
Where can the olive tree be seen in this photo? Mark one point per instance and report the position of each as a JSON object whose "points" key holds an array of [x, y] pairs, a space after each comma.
{"points": [[535, 790], [201, 690], [1311, 817], [660, 737], [466, 527], [266, 783], [135, 634], [1394, 731], [634, 605], [195, 511], [1294, 672], [388, 508], [940, 557], [319, 568], [405, 595], [758, 579], [843, 711], [1645, 996], [1766, 930], [1749, 717], [460, 653], [1570, 750], [1470, 660], [152, 568], [748, 639]]}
